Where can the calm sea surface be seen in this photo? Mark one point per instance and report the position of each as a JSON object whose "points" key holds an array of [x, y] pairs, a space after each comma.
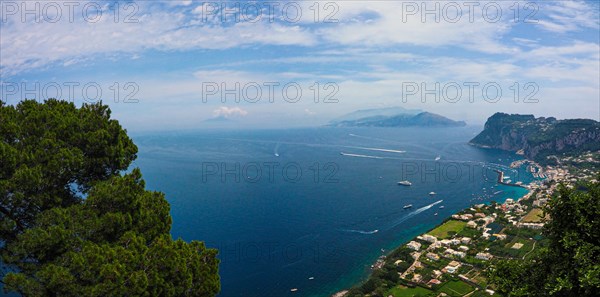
{"points": [[312, 209]]}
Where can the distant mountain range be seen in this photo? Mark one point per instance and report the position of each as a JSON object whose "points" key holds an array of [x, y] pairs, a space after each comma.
{"points": [[394, 117], [538, 138]]}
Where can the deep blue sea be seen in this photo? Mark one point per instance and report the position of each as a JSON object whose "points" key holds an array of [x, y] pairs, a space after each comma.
{"points": [[313, 208]]}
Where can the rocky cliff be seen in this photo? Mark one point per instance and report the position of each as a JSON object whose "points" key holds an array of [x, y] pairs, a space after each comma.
{"points": [[539, 138]]}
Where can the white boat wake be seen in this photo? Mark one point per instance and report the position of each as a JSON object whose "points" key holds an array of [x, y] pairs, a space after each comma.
{"points": [[361, 232], [381, 150], [276, 151], [412, 214], [360, 156]]}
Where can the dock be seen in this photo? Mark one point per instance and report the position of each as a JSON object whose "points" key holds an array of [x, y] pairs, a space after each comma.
{"points": [[501, 180]]}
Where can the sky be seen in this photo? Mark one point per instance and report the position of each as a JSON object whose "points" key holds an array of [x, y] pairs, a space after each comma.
{"points": [[189, 64]]}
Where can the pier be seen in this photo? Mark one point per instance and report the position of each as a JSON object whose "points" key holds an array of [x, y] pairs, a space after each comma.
{"points": [[501, 180]]}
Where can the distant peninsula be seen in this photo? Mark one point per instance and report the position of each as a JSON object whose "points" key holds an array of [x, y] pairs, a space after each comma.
{"points": [[539, 139], [394, 117]]}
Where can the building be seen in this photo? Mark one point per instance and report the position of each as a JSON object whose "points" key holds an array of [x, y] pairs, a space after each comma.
{"points": [[433, 256], [463, 248], [452, 267], [472, 224], [465, 240], [483, 256], [429, 238], [413, 245], [531, 225]]}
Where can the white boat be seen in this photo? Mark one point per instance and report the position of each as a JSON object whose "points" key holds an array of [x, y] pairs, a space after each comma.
{"points": [[405, 183], [435, 214], [438, 158], [312, 277], [293, 290], [407, 206], [276, 155], [432, 193], [442, 206]]}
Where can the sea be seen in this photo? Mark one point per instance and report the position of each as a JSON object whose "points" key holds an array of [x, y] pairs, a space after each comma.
{"points": [[307, 211]]}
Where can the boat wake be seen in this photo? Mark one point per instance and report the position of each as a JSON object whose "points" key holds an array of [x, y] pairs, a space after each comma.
{"points": [[361, 232], [412, 214], [360, 156], [381, 150]]}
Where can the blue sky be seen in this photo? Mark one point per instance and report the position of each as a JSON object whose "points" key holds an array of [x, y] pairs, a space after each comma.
{"points": [[366, 54]]}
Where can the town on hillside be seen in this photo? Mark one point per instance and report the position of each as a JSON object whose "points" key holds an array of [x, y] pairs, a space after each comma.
{"points": [[451, 259]]}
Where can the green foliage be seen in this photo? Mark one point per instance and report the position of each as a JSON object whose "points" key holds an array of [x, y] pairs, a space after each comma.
{"points": [[50, 153], [569, 264], [113, 242]]}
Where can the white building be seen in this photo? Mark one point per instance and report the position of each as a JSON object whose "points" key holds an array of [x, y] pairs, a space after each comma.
{"points": [[413, 245], [483, 256]]}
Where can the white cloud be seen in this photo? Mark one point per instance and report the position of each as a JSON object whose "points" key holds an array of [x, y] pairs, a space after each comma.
{"points": [[567, 16], [228, 112]]}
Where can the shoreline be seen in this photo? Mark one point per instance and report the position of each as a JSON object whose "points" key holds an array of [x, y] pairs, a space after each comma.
{"points": [[382, 260]]}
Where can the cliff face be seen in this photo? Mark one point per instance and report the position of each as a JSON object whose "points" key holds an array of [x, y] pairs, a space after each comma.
{"points": [[539, 137]]}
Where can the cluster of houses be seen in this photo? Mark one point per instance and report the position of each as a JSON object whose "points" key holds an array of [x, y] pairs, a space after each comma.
{"points": [[427, 247], [453, 253]]}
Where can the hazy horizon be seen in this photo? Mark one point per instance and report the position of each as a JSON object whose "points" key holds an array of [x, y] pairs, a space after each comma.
{"points": [[184, 62]]}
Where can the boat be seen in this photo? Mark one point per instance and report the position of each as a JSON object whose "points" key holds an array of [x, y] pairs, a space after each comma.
{"points": [[438, 157], [293, 290], [407, 206], [442, 206], [405, 183], [435, 214], [276, 155], [312, 277], [432, 193]]}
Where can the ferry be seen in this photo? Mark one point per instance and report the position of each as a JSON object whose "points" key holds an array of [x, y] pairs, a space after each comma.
{"points": [[432, 193], [407, 206], [405, 183]]}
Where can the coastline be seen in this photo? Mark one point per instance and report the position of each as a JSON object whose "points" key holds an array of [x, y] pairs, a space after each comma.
{"points": [[383, 259]]}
